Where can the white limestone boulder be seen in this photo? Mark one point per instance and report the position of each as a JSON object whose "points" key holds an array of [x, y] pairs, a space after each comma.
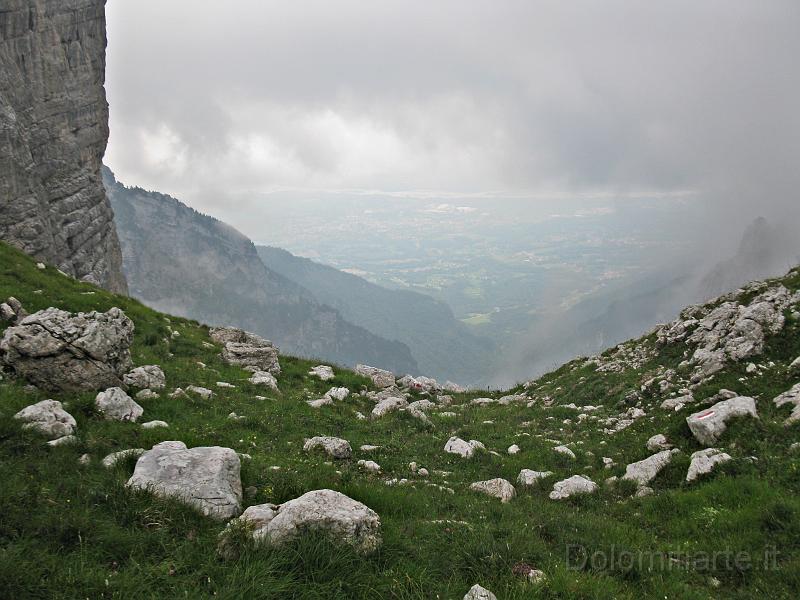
{"points": [[497, 488], [332, 446], [574, 486], [49, 418], [342, 518], [115, 405], [148, 377], [644, 471], [709, 425], [207, 478]]}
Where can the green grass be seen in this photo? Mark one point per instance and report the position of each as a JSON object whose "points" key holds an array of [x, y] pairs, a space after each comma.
{"points": [[71, 531]]}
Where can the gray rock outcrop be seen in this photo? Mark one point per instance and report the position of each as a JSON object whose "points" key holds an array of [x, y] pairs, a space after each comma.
{"points": [[53, 134], [380, 377], [728, 331], [247, 349], [206, 478], [56, 350]]}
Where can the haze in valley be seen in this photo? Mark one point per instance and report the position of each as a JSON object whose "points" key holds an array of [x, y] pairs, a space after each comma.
{"points": [[562, 176]]}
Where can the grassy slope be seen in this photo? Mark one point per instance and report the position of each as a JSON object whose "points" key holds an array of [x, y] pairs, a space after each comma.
{"points": [[68, 531]]}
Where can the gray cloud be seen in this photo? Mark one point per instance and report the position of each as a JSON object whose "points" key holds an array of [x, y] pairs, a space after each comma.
{"points": [[522, 96]]}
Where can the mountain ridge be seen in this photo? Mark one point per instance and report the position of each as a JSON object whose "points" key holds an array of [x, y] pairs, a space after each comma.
{"points": [[179, 260], [444, 345]]}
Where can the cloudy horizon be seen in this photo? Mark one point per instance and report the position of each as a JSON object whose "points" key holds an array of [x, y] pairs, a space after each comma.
{"points": [[481, 98]]}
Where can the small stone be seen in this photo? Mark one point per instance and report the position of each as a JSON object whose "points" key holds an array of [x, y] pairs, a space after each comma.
{"points": [[204, 393], [338, 393], [497, 488], [324, 372], [334, 447], [369, 465], [146, 377], [477, 592], [114, 404], [575, 485], [565, 451], [513, 449], [644, 471], [529, 478], [115, 457], [658, 442], [154, 424], [264, 378], [49, 418], [62, 441], [456, 445], [146, 395], [705, 461]]}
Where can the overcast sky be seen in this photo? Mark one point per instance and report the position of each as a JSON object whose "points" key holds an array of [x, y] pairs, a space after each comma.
{"points": [[209, 99]]}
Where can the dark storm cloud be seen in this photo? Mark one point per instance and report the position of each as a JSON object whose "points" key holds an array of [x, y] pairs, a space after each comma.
{"points": [[212, 98]]}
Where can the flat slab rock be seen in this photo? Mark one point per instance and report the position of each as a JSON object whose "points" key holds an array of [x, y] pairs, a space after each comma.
{"points": [[329, 511], [207, 478], [497, 488], [380, 377], [60, 351], [792, 398], [644, 471], [705, 461], [574, 486], [333, 446], [49, 418], [708, 425], [388, 405]]}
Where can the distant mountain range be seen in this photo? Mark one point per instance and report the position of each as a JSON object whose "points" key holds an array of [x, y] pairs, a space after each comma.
{"points": [[182, 262], [442, 345]]}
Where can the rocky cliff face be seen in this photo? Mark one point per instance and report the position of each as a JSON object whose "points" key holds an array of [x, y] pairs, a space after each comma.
{"points": [[188, 264], [53, 134]]}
